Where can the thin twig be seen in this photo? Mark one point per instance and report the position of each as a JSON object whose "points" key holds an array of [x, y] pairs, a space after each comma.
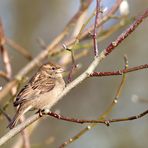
{"points": [[96, 50], [25, 135], [74, 66], [106, 122], [4, 53], [19, 48], [5, 114], [118, 93], [4, 75], [119, 72]]}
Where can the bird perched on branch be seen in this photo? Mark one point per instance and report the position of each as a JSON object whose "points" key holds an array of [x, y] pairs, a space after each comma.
{"points": [[41, 92]]}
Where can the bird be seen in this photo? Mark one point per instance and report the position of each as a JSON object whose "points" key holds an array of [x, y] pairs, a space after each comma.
{"points": [[41, 92]]}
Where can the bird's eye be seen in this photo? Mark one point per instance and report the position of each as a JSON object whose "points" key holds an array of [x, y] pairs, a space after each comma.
{"points": [[53, 68]]}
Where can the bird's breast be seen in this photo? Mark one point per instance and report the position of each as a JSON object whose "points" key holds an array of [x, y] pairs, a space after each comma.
{"points": [[47, 100]]}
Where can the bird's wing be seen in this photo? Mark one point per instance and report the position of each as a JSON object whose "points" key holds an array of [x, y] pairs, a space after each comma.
{"points": [[36, 86]]}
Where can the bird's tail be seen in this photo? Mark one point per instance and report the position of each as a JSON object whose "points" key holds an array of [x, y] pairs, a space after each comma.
{"points": [[14, 121], [17, 116]]}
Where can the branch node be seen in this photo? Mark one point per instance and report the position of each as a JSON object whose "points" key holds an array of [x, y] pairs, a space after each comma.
{"points": [[107, 123]]}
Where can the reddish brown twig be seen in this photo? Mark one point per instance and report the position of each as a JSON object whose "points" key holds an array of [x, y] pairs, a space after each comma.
{"points": [[107, 122], [4, 53], [4, 75], [96, 50], [125, 34], [73, 63], [119, 72]]}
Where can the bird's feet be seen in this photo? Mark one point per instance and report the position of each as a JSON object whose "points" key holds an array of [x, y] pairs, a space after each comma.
{"points": [[43, 111]]}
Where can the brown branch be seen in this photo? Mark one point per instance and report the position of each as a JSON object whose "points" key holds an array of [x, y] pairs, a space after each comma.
{"points": [[96, 50], [4, 53], [107, 122], [73, 63], [19, 48], [6, 61], [125, 34], [25, 135], [2, 36], [119, 72], [4, 75]]}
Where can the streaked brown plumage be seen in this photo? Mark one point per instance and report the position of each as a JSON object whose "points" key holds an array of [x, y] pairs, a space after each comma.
{"points": [[41, 92]]}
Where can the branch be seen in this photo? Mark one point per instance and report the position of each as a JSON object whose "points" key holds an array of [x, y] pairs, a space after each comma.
{"points": [[4, 75], [96, 50], [107, 122], [20, 49], [119, 72], [4, 53]]}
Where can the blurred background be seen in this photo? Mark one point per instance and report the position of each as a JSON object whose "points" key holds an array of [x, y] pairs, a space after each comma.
{"points": [[24, 21]]}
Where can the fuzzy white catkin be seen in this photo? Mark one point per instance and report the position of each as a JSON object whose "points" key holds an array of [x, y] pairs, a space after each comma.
{"points": [[124, 8]]}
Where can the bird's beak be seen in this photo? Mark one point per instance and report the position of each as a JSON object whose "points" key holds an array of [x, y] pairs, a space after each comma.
{"points": [[60, 70]]}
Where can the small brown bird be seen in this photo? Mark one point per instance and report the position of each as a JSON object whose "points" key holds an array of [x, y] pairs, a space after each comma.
{"points": [[41, 92]]}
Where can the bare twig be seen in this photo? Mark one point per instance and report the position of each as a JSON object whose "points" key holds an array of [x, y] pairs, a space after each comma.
{"points": [[19, 48], [5, 114], [4, 75], [25, 135], [4, 53], [73, 63], [96, 50], [118, 93], [119, 72], [107, 122]]}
